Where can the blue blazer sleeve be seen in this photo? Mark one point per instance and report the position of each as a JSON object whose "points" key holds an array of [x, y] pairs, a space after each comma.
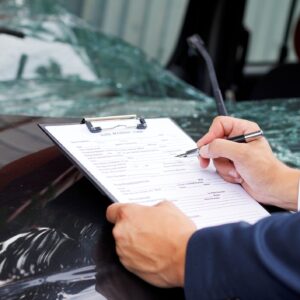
{"points": [[242, 261]]}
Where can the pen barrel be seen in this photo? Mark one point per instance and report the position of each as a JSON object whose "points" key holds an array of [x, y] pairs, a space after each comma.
{"points": [[245, 138], [238, 139]]}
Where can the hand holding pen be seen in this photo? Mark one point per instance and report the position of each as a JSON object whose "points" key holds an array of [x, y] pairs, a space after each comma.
{"points": [[251, 164]]}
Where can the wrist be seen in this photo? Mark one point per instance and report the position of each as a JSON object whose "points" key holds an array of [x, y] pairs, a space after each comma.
{"points": [[287, 188]]}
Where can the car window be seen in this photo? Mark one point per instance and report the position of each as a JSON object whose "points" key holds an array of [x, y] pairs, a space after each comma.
{"points": [[153, 25]]}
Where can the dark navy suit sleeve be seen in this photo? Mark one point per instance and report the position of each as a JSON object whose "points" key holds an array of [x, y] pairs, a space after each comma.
{"points": [[242, 261]]}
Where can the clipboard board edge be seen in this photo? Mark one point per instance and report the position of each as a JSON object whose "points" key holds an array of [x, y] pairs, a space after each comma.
{"points": [[75, 161]]}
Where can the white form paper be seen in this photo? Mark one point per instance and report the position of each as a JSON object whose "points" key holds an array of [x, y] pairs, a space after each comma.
{"points": [[139, 166]]}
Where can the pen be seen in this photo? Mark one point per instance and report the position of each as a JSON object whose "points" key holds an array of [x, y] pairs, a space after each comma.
{"points": [[243, 138]]}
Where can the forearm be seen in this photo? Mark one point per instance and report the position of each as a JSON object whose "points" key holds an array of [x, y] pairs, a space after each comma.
{"points": [[244, 261]]}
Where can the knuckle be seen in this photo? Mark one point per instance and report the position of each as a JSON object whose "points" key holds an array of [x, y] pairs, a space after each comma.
{"points": [[164, 203], [117, 233], [119, 251], [169, 203], [123, 213], [218, 118]]}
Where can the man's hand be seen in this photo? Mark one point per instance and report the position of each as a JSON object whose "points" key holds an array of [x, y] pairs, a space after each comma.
{"points": [[151, 241], [253, 165]]}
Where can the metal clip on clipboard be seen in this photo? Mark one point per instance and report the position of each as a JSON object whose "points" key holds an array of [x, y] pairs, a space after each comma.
{"points": [[108, 123]]}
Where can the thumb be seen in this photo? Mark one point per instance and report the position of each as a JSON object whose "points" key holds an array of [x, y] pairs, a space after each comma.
{"points": [[113, 211], [223, 148]]}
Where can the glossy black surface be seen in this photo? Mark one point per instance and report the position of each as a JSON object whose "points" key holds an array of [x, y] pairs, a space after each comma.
{"points": [[54, 240]]}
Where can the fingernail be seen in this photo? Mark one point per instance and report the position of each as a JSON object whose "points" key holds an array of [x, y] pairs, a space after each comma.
{"points": [[204, 151], [233, 173]]}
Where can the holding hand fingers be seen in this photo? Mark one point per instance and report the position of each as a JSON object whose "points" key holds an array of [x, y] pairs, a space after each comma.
{"points": [[151, 241]]}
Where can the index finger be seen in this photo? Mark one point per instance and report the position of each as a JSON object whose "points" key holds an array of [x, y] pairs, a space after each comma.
{"points": [[112, 212], [226, 127]]}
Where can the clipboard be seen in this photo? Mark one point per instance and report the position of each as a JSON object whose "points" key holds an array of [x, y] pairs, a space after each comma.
{"points": [[133, 160], [96, 125], [122, 121]]}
